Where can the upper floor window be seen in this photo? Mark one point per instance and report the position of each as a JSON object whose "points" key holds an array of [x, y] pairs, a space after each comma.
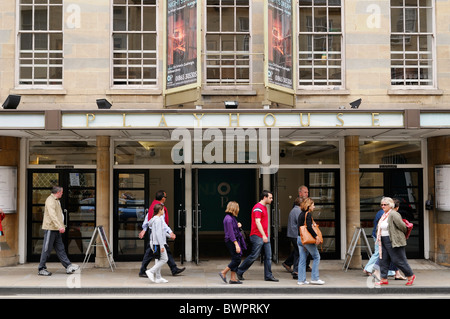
{"points": [[40, 41], [412, 42], [320, 43], [227, 42], [134, 42]]}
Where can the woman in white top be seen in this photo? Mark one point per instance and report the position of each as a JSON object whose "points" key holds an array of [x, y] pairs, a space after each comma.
{"points": [[157, 242], [392, 241]]}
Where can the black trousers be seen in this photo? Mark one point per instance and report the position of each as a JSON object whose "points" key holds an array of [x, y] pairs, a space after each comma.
{"points": [[53, 239], [395, 255], [235, 257]]}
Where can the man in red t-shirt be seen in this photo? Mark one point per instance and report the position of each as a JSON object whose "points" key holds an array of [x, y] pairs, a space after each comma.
{"points": [[259, 238]]}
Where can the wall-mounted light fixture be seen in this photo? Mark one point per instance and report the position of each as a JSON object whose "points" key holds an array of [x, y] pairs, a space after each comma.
{"points": [[356, 104], [231, 104], [11, 102], [103, 104]]}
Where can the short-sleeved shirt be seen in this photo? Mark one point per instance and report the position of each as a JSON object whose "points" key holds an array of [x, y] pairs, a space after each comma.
{"points": [[259, 211]]}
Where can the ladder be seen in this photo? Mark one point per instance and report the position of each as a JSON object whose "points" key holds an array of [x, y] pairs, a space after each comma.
{"points": [[359, 233]]}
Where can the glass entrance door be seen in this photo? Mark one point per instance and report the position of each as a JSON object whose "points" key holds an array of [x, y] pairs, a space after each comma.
{"points": [[404, 184], [134, 191], [324, 190], [79, 205], [131, 202], [213, 189]]}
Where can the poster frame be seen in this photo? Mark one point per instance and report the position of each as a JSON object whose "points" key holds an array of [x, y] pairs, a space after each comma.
{"points": [[197, 84], [10, 188], [269, 84]]}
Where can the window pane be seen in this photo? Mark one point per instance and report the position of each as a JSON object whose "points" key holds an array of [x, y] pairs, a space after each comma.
{"points": [[40, 18], [26, 14], [134, 19], [55, 18], [383, 152], [228, 19], [227, 43], [134, 42], [149, 19], [120, 18], [56, 41], [213, 21], [40, 41]]}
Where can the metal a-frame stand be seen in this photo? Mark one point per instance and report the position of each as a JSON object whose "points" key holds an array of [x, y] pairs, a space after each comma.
{"points": [[93, 243], [359, 233]]}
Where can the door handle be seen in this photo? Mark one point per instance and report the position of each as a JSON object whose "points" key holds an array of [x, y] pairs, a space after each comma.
{"points": [[199, 218], [181, 218]]}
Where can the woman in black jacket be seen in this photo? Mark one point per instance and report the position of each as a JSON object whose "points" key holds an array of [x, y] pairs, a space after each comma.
{"points": [[307, 207]]}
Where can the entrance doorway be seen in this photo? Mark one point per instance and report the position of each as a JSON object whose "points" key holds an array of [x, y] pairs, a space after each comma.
{"points": [[324, 189], [212, 190], [79, 207], [133, 192], [404, 184]]}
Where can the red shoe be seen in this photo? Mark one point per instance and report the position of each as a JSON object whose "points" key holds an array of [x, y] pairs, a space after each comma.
{"points": [[382, 282], [411, 281]]}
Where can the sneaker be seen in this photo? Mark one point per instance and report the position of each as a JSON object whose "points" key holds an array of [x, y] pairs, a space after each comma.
{"points": [[72, 268], [150, 275], [317, 282], [44, 272], [301, 283], [161, 281]]}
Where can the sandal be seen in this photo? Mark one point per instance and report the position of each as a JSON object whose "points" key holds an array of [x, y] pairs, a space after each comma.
{"points": [[411, 281], [382, 282]]}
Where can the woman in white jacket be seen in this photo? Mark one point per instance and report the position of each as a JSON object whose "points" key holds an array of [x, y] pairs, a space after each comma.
{"points": [[157, 242]]}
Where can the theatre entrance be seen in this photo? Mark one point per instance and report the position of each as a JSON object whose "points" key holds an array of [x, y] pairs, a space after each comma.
{"points": [[212, 189], [78, 203]]}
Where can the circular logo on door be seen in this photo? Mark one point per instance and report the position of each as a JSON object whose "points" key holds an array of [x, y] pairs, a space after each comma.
{"points": [[224, 188]]}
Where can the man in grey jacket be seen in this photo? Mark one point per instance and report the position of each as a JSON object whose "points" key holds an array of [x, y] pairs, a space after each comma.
{"points": [[53, 226], [292, 232]]}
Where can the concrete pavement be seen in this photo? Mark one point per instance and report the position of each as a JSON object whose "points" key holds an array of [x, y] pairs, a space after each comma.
{"points": [[203, 280]]}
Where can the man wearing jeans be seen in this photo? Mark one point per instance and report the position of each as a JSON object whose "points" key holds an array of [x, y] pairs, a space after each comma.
{"points": [[259, 239]]}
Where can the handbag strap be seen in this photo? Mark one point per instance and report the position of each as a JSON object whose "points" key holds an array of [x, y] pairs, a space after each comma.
{"points": [[312, 219]]}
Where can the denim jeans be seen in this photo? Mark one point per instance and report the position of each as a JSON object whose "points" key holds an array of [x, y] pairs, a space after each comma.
{"points": [[304, 251], [371, 263], [257, 245]]}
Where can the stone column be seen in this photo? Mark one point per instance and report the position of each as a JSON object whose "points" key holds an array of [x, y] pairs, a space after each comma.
{"points": [[352, 198], [102, 196], [9, 156], [439, 221]]}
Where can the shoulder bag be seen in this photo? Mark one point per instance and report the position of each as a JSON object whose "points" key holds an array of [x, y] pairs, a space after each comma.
{"points": [[306, 237]]}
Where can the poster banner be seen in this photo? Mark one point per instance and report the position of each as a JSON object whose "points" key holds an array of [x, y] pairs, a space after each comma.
{"points": [[181, 43], [8, 189], [280, 42]]}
